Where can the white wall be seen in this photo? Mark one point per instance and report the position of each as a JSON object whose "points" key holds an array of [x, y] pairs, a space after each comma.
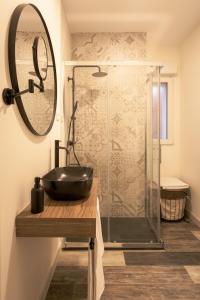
{"points": [[170, 165], [190, 117], [25, 262]]}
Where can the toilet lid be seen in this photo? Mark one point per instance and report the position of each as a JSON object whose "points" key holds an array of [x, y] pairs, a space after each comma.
{"points": [[173, 183]]}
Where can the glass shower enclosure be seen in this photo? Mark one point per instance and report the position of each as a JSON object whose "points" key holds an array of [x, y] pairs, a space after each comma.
{"points": [[118, 135]]}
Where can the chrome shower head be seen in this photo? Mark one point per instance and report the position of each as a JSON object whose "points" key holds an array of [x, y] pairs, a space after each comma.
{"points": [[99, 74]]}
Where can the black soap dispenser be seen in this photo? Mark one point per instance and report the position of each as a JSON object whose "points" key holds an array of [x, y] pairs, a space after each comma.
{"points": [[37, 197]]}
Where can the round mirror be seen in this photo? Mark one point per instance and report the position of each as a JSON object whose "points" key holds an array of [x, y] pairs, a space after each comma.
{"points": [[31, 59], [40, 57]]}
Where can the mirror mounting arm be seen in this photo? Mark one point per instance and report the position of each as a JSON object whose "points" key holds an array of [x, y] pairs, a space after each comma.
{"points": [[9, 95], [40, 87]]}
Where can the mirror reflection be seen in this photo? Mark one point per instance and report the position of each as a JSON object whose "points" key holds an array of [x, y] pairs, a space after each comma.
{"points": [[40, 57], [34, 60]]}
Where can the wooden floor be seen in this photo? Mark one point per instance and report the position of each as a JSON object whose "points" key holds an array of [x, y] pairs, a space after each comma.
{"points": [[170, 274]]}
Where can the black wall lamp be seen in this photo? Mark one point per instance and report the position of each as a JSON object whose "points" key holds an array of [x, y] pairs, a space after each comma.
{"points": [[10, 94]]}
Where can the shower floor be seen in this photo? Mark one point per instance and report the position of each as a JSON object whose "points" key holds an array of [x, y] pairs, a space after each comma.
{"points": [[127, 230], [122, 232]]}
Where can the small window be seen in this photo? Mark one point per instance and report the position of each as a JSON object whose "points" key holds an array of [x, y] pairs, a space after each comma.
{"points": [[163, 110]]}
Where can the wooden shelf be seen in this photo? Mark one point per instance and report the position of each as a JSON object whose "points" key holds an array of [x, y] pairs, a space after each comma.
{"points": [[61, 218]]}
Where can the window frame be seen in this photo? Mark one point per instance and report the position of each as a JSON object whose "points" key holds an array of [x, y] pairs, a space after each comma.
{"points": [[170, 109]]}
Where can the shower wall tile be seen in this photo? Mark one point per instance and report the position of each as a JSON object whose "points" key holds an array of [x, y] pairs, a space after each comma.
{"points": [[99, 161], [109, 46], [110, 126]]}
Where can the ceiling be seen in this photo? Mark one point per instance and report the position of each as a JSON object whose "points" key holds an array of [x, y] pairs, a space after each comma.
{"points": [[167, 22]]}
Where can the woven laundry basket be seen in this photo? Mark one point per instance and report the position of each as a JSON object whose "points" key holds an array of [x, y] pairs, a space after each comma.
{"points": [[174, 193]]}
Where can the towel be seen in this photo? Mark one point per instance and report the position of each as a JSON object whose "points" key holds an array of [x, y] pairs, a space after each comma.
{"points": [[99, 283]]}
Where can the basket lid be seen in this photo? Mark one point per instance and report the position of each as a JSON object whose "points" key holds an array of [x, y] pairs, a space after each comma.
{"points": [[173, 183]]}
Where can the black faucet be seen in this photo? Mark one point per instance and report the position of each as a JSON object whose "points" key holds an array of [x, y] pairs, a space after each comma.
{"points": [[57, 148]]}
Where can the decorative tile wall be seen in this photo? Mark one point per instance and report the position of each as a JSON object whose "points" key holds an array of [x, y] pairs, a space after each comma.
{"points": [[110, 126], [109, 46]]}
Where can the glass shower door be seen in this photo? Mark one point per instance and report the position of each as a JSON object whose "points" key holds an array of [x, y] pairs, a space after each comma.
{"points": [[117, 132], [127, 99], [153, 153]]}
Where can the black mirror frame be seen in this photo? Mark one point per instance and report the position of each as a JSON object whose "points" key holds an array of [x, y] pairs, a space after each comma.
{"points": [[12, 65]]}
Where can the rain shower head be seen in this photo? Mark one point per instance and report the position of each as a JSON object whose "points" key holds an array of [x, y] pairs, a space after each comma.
{"points": [[99, 74]]}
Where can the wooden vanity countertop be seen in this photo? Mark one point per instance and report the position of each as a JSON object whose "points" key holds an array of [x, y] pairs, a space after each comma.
{"points": [[61, 218]]}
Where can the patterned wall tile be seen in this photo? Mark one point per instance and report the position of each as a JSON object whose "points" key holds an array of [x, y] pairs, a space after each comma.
{"points": [[111, 119], [108, 46]]}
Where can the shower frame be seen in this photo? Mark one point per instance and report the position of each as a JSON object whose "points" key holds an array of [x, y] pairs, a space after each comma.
{"points": [[156, 67]]}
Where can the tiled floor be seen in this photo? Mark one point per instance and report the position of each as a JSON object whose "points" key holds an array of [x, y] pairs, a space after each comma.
{"points": [[137, 275]]}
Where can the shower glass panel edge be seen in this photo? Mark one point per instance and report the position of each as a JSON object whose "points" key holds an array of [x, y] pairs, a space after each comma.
{"points": [[152, 160]]}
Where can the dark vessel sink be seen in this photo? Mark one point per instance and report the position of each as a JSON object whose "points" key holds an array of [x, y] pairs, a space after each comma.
{"points": [[68, 183]]}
